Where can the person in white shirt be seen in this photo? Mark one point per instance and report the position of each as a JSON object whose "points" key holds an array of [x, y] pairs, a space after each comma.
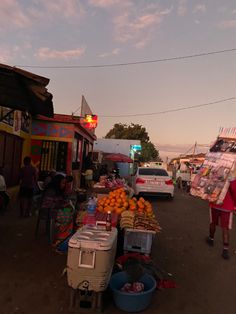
{"points": [[4, 197]]}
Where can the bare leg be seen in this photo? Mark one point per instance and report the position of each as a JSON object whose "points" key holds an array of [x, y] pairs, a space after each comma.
{"points": [[225, 237]]}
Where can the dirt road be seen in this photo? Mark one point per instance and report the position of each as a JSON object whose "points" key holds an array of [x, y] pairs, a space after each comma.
{"points": [[31, 280]]}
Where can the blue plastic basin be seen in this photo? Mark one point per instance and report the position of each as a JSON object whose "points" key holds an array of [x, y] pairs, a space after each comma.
{"points": [[132, 302]]}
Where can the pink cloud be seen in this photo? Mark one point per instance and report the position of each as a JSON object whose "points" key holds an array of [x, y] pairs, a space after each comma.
{"points": [[104, 3], [227, 24], [182, 7], [114, 52], [68, 8], [47, 53], [200, 8], [12, 14], [137, 28]]}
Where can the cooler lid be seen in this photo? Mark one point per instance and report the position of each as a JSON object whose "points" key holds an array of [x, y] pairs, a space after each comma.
{"points": [[93, 238]]}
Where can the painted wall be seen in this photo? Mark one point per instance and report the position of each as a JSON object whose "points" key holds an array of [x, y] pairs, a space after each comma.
{"points": [[52, 131]]}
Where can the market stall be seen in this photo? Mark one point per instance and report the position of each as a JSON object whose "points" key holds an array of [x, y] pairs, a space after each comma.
{"points": [[132, 224]]}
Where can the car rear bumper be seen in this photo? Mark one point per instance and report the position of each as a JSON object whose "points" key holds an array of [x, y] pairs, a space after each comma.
{"points": [[144, 189]]}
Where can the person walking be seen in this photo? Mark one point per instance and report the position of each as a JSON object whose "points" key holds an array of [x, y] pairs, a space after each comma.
{"points": [[28, 181], [222, 215]]}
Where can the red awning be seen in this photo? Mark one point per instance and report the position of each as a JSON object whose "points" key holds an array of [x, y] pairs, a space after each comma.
{"points": [[118, 158]]}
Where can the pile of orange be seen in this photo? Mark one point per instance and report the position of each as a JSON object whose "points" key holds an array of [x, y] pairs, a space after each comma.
{"points": [[117, 201]]}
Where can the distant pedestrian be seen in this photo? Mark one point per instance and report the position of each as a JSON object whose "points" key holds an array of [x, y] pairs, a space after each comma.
{"points": [[4, 197], [28, 181], [222, 215], [88, 171]]}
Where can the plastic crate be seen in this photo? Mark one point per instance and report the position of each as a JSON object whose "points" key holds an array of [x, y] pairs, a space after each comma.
{"points": [[140, 241]]}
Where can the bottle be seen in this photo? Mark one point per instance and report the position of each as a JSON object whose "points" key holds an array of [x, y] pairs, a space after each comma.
{"points": [[92, 205], [108, 221], [91, 209]]}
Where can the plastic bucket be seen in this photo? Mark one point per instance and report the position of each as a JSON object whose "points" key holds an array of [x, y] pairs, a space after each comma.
{"points": [[132, 302]]}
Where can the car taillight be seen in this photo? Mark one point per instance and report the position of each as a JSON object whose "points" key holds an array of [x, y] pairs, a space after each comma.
{"points": [[140, 181], [169, 182]]}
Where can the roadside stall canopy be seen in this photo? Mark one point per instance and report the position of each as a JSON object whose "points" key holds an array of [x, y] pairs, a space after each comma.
{"points": [[25, 91], [118, 158]]}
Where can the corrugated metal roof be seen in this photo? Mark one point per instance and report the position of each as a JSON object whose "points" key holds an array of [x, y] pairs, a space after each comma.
{"points": [[25, 91]]}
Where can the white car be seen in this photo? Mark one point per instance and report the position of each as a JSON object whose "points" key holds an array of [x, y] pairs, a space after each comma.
{"points": [[152, 180]]}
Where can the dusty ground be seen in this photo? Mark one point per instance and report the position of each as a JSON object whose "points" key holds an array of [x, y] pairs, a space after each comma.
{"points": [[31, 280]]}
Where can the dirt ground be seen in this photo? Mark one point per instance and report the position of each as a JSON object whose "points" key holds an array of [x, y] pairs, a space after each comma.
{"points": [[32, 281]]}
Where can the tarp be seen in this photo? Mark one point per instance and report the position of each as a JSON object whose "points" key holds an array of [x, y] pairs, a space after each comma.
{"points": [[25, 91]]}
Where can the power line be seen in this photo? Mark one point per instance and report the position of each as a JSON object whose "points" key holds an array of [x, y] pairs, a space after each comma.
{"points": [[170, 110], [203, 54]]}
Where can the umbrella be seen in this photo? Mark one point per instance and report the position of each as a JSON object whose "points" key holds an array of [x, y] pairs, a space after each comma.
{"points": [[25, 91], [118, 158]]}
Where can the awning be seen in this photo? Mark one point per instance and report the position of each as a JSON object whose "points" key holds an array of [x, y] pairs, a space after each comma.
{"points": [[25, 91], [118, 158]]}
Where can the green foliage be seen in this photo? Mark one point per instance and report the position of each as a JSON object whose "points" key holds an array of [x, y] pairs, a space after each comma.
{"points": [[149, 152], [130, 132], [135, 132]]}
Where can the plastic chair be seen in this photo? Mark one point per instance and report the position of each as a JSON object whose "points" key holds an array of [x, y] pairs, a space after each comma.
{"points": [[48, 217]]}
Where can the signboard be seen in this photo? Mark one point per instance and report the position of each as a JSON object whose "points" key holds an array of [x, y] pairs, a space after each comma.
{"points": [[90, 121], [136, 147], [17, 122]]}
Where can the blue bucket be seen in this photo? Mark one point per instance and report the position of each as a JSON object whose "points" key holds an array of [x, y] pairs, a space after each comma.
{"points": [[132, 302]]}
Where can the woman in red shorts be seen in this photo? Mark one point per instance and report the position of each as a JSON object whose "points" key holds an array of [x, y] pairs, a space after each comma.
{"points": [[222, 215]]}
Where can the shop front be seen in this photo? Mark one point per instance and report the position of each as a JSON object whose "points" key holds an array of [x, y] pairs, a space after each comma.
{"points": [[14, 142], [60, 143]]}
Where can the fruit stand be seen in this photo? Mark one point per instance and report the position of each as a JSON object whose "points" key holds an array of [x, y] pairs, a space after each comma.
{"points": [[136, 225], [136, 219]]}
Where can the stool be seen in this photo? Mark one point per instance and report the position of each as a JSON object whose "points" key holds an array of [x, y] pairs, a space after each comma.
{"points": [[46, 215]]}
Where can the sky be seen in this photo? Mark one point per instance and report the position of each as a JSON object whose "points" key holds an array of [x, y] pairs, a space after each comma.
{"points": [[66, 34]]}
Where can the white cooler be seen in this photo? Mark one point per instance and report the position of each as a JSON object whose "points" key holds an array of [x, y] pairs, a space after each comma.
{"points": [[91, 256]]}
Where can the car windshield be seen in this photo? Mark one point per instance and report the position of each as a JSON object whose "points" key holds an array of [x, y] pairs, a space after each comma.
{"points": [[153, 172]]}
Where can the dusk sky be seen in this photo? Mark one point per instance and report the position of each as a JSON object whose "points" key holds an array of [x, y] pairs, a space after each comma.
{"points": [[72, 33]]}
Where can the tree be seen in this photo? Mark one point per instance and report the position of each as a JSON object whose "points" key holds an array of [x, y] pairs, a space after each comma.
{"points": [[129, 132], [135, 132]]}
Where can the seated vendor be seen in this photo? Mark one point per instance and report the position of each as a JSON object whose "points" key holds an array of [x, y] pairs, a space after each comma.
{"points": [[58, 205]]}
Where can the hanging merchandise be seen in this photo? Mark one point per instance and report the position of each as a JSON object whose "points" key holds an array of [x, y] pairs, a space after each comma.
{"points": [[212, 181]]}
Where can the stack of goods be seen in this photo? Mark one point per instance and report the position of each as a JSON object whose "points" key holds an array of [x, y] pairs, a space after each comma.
{"points": [[135, 220], [114, 183], [110, 183], [134, 213], [116, 201], [127, 219], [142, 222]]}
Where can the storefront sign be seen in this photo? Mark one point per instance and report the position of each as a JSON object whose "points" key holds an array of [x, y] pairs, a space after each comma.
{"points": [[136, 147], [90, 121]]}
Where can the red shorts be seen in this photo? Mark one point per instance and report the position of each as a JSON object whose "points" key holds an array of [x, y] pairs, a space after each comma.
{"points": [[221, 218]]}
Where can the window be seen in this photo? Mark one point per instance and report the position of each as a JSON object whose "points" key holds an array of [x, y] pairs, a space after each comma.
{"points": [[153, 172]]}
